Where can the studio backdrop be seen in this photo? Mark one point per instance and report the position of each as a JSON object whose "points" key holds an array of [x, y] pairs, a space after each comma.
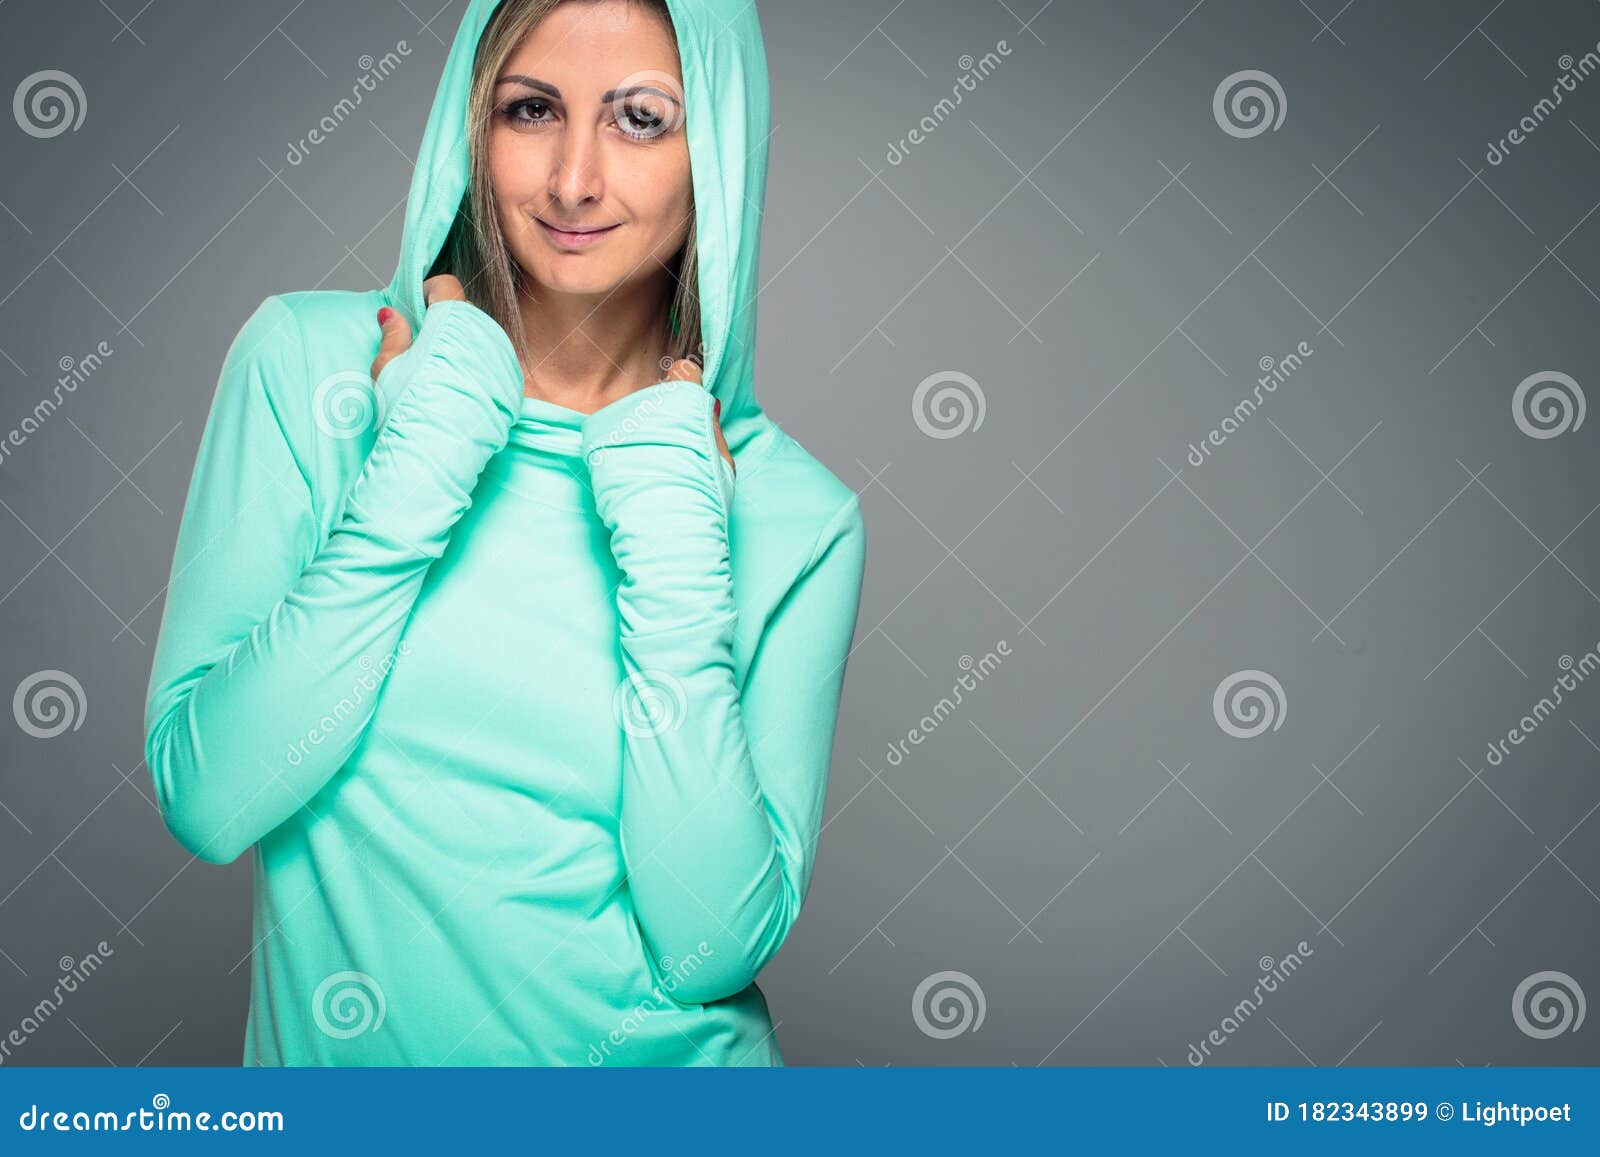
{"points": [[1213, 377]]}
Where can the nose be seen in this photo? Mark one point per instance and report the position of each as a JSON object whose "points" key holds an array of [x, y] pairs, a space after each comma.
{"points": [[575, 172]]}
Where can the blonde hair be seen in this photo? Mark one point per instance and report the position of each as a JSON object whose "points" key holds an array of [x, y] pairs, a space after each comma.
{"points": [[475, 250]]}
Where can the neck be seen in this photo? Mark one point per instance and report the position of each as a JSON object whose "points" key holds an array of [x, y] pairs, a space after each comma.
{"points": [[587, 350]]}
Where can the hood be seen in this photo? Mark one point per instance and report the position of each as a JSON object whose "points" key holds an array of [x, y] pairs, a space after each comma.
{"points": [[728, 123]]}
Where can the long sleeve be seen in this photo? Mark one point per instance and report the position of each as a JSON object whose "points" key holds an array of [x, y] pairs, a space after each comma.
{"points": [[722, 790], [275, 637]]}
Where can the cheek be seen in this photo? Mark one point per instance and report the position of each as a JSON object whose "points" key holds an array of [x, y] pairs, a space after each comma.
{"points": [[665, 196], [513, 169]]}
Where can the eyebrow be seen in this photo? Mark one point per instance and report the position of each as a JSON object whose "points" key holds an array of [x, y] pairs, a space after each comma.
{"points": [[605, 97], [530, 82]]}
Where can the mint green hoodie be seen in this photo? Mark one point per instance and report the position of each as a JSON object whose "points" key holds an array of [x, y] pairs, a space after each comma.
{"points": [[527, 713]]}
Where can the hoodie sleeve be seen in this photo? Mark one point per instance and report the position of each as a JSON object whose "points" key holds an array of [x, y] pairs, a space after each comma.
{"points": [[722, 789], [275, 636]]}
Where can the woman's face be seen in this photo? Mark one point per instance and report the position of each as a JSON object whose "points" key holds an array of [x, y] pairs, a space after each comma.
{"points": [[588, 154]]}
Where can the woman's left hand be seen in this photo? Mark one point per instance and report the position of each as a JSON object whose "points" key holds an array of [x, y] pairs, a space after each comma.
{"points": [[684, 370]]}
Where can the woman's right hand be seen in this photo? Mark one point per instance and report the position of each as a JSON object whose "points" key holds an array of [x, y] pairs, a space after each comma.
{"points": [[397, 333]]}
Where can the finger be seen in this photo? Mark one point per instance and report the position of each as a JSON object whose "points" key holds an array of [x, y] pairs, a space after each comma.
{"points": [[396, 339], [444, 287], [684, 370]]}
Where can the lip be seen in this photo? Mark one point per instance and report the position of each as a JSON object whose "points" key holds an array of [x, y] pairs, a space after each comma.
{"points": [[577, 238]]}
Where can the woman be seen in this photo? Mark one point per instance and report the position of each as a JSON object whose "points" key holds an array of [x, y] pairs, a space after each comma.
{"points": [[522, 695]]}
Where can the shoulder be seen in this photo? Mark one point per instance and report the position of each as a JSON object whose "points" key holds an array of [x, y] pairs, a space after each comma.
{"points": [[334, 325], [312, 331], [300, 362], [790, 490]]}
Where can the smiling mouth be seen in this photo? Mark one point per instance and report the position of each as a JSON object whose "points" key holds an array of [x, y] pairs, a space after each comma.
{"points": [[574, 237]]}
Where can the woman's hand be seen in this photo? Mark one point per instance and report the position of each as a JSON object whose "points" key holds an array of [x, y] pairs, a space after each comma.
{"points": [[444, 287], [397, 334], [684, 370]]}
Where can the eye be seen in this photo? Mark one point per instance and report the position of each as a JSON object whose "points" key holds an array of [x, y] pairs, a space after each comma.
{"points": [[643, 120], [527, 112]]}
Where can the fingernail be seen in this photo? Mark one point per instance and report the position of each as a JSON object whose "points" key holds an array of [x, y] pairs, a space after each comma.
{"points": [[716, 408], [384, 315]]}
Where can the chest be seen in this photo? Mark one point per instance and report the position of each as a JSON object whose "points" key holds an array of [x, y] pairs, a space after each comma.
{"points": [[510, 666]]}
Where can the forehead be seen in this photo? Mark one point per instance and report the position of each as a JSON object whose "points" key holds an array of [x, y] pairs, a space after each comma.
{"points": [[591, 43]]}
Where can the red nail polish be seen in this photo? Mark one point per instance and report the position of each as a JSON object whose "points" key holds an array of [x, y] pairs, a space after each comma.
{"points": [[716, 408], [384, 315]]}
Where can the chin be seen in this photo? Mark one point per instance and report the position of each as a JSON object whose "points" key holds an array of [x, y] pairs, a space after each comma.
{"points": [[594, 274], [578, 275]]}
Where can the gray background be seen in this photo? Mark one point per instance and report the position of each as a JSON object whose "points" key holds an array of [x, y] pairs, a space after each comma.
{"points": [[1081, 838]]}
